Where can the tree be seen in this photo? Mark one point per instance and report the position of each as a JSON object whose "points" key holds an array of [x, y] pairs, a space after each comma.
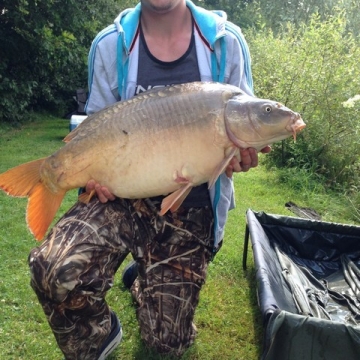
{"points": [[236, 10], [274, 14], [44, 47]]}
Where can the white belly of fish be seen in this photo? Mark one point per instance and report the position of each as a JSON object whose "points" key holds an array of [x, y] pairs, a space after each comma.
{"points": [[161, 163]]}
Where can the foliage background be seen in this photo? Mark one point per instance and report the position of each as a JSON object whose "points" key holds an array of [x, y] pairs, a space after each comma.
{"points": [[304, 54], [44, 43], [43, 56], [314, 69]]}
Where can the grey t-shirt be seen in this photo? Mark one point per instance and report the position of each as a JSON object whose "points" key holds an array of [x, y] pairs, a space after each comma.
{"points": [[154, 73]]}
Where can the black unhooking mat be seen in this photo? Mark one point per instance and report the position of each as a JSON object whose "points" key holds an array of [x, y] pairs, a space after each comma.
{"points": [[308, 284]]}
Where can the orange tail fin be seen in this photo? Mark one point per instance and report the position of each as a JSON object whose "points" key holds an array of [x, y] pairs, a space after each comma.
{"points": [[24, 180], [19, 180]]}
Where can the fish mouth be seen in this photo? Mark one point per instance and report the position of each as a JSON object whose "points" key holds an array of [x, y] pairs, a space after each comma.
{"points": [[296, 125]]}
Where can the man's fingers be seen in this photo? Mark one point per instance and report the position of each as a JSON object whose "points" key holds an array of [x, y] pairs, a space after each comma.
{"points": [[107, 193], [234, 166], [249, 158], [90, 186], [266, 149], [229, 171], [102, 198], [102, 192]]}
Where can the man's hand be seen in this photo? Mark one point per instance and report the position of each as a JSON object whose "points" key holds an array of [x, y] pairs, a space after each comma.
{"points": [[102, 192], [249, 159]]}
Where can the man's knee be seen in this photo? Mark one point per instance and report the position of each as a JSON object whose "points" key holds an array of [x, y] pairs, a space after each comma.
{"points": [[55, 277], [43, 274]]}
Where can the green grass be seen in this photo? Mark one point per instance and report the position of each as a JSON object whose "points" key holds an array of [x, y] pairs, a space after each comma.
{"points": [[227, 318]]}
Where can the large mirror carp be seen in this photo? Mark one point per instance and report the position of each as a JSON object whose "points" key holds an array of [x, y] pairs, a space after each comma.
{"points": [[164, 141]]}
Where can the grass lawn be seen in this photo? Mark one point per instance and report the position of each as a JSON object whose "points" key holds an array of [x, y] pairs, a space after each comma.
{"points": [[227, 318]]}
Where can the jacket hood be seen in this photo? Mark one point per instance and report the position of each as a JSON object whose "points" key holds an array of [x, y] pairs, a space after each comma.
{"points": [[211, 23]]}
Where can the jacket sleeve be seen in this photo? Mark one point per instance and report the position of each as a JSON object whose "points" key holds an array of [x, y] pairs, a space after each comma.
{"points": [[102, 76], [238, 61]]}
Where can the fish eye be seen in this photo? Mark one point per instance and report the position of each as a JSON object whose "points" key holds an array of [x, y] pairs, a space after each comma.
{"points": [[268, 108]]}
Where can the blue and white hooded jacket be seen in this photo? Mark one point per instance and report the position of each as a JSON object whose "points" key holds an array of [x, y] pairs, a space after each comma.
{"points": [[222, 54]]}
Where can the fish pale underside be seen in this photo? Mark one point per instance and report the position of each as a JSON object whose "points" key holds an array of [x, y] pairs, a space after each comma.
{"points": [[162, 142]]}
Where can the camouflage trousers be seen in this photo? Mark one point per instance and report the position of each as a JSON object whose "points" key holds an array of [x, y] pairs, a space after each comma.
{"points": [[74, 267]]}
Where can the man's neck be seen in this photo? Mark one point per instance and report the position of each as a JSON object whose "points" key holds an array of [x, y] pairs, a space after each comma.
{"points": [[167, 34]]}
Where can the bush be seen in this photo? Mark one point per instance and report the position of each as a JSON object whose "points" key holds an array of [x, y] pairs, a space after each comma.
{"points": [[44, 51], [313, 70]]}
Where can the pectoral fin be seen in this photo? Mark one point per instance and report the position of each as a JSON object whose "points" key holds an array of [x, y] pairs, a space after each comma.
{"points": [[86, 197], [221, 167], [173, 201]]}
